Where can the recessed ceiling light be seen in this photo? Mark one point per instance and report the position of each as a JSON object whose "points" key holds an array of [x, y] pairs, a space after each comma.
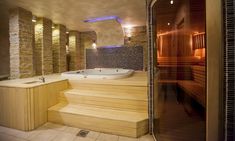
{"points": [[168, 23], [172, 2]]}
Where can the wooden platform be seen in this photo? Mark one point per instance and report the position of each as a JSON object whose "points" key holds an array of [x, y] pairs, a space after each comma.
{"points": [[112, 106], [100, 119], [126, 98]]}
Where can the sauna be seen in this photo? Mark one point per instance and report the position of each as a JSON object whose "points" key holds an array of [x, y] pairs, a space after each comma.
{"points": [[180, 101]]}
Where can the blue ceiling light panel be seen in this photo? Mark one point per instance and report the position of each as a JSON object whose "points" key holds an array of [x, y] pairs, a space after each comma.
{"points": [[105, 18]]}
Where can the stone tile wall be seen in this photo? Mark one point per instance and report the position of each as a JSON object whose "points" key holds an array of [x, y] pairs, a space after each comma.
{"points": [[139, 38], [21, 50], [59, 49], [43, 47], [86, 39], [4, 41], [74, 50], [118, 57]]}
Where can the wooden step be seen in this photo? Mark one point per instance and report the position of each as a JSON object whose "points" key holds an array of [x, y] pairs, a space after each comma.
{"points": [[125, 123], [117, 98], [122, 88]]}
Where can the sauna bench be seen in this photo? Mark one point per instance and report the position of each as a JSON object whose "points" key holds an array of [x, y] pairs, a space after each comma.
{"points": [[24, 106]]}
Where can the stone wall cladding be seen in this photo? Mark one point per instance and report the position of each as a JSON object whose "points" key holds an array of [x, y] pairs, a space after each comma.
{"points": [[21, 40], [63, 40], [59, 49], [55, 49], [47, 63], [74, 50], [86, 40], [43, 46], [38, 45], [139, 38]]}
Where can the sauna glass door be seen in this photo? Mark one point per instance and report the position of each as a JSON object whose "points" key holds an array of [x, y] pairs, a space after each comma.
{"points": [[179, 70]]}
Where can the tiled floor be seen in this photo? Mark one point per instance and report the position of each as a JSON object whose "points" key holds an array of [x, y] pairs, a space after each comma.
{"points": [[55, 132]]}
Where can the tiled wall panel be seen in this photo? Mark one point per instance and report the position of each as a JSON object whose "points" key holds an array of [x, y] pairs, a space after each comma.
{"points": [[118, 57]]}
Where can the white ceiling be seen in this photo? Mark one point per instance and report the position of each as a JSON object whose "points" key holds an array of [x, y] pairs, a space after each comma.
{"points": [[72, 13]]}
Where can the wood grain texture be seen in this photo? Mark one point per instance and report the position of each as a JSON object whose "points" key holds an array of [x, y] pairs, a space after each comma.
{"points": [[118, 122], [112, 106], [26, 108], [196, 88], [214, 37], [121, 97]]}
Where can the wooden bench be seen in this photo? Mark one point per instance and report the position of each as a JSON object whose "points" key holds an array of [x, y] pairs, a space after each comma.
{"points": [[195, 88]]}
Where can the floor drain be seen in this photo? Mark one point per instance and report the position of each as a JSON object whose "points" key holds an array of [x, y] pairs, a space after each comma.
{"points": [[82, 133]]}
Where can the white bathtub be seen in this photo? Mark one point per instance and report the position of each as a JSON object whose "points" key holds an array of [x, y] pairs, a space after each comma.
{"points": [[99, 73]]}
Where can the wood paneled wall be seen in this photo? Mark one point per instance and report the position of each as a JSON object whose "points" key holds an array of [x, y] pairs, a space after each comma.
{"points": [[189, 19]]}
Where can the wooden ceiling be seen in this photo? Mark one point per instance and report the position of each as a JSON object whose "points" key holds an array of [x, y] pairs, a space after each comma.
{"points": [[165, 13]]}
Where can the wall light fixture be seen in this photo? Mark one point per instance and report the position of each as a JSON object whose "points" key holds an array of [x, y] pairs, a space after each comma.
{"points": [[94, 45], [34, 19]]}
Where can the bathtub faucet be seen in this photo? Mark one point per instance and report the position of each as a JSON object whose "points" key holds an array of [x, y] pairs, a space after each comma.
{"points": [[42, 79]]}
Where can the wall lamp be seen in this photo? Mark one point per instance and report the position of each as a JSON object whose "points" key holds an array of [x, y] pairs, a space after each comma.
{"points": [[128, 33], [94, 45], [34, 19]]}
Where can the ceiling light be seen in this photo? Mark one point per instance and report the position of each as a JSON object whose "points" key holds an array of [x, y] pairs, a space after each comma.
{"points": [[34, 19], [172, 2], [67, 32], [105, 18], [53, 27], [168, 23]]}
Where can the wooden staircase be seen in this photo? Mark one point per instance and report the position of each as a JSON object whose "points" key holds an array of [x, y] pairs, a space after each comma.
{"points": [[114, 109]]}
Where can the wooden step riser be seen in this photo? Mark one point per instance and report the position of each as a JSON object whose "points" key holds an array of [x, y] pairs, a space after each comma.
{"points": [[115, 94], [116, 88], [116, 127], [112, 94], [132, 105]]}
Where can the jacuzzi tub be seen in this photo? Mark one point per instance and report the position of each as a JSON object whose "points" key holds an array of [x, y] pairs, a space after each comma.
{"points": [[99, 73]]}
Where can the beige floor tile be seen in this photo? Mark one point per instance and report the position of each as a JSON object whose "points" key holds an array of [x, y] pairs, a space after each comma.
{"points": [[93, 134], [121, 138], [84, 139], [5, 137], [15, 133], [72, 130], [107, 137], [64, 137], [55, 126], [37, 131], [46, 135], [2, 129], [21, 134], [146, 138]]}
